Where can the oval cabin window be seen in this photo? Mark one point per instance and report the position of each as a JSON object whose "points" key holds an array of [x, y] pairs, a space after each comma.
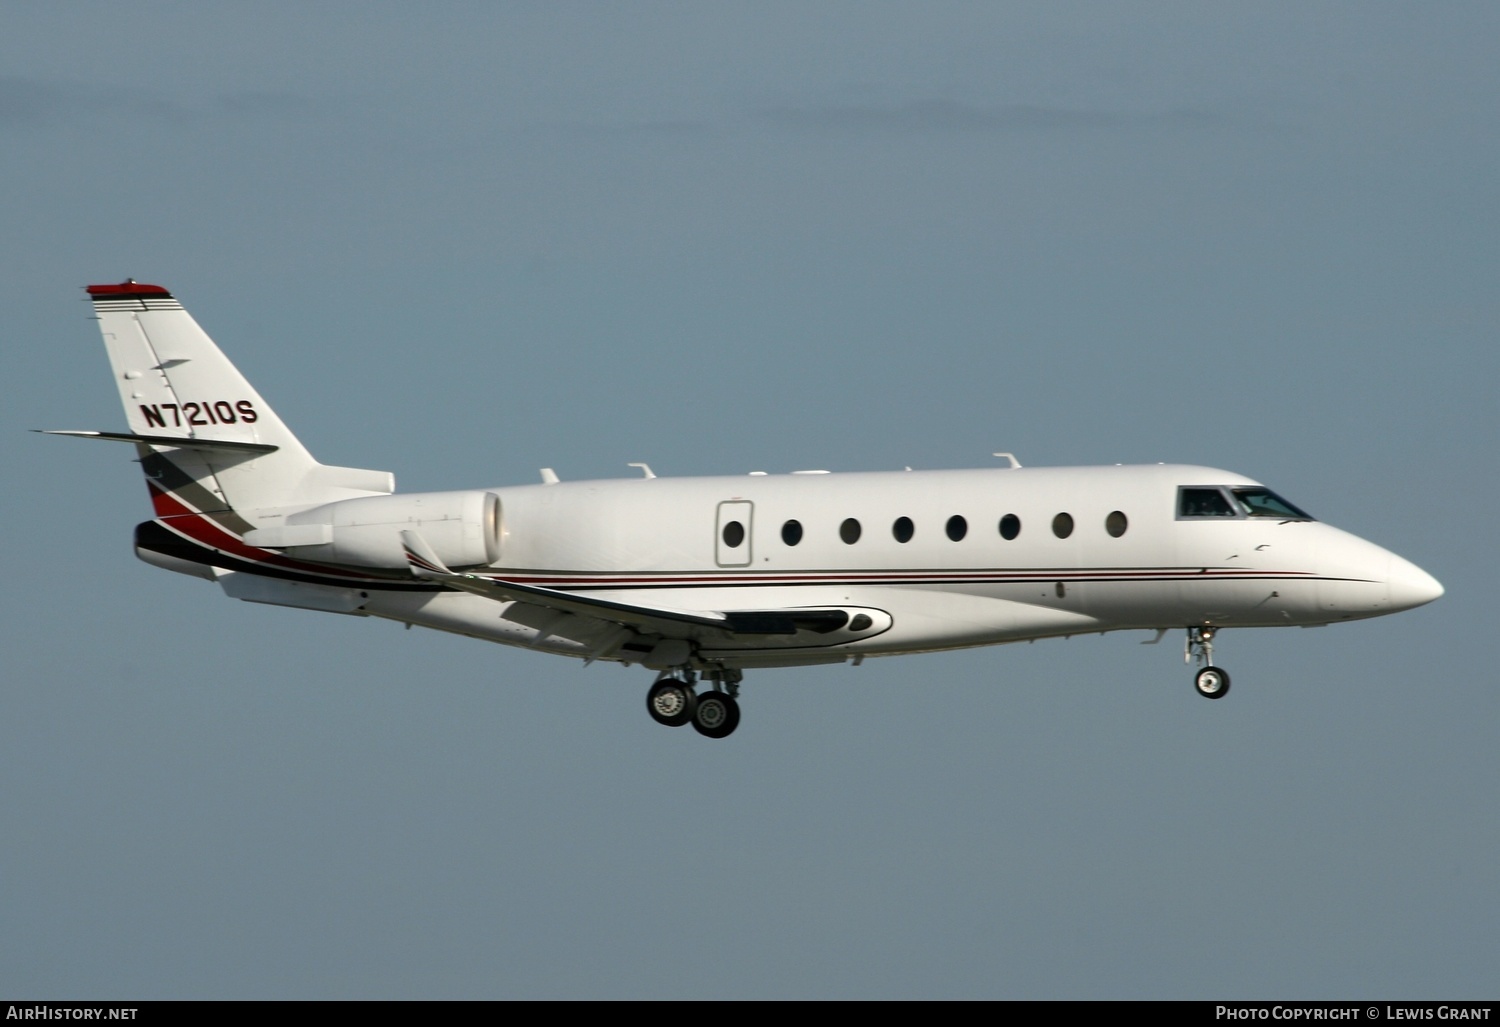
{"points": [[1010, 527], [791, 532], [734, 534], [903, 529], [1062, 525], [849, 531], [957, 528], [1116, 523]]}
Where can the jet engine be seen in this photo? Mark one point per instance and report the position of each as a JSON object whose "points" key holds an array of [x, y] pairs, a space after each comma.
{"points": [[463, 528]]}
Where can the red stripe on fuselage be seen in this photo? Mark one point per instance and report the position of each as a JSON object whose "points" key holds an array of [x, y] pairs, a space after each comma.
{"points": [[200, 529], [856, 577], [196, 526]]}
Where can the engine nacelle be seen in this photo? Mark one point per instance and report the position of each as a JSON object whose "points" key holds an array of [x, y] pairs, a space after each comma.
{"points": [[463, 528]]}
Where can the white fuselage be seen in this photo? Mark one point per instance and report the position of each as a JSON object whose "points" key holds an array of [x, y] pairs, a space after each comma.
{"points": [[662, 542]]}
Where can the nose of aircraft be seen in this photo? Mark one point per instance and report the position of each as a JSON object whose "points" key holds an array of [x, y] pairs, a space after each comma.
{"points": [[1410, 585], [1360, 579]]}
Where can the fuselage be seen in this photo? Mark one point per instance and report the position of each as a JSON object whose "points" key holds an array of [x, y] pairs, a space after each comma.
{"points": [[951, 558]]}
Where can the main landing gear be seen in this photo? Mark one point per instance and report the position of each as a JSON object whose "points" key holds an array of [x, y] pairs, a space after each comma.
{"points": [[715, 713], [1211, 682]]}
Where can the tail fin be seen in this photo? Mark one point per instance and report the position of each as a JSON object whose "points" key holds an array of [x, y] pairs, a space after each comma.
{"points": [[209, 443]]}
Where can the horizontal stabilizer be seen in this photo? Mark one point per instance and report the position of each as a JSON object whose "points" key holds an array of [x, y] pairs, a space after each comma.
{"points": [[201, 445]]}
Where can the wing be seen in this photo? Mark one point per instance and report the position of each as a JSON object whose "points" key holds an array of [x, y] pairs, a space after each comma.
{"points": [[657, 620]]}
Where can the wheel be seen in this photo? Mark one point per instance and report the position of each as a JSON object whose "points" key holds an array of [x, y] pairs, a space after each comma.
{"points": [[717, 715], [1212, 682], [671, 702]]}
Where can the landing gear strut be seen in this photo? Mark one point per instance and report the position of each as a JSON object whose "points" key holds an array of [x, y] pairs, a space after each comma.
{"points": [[715, 713], [1211, 682]]}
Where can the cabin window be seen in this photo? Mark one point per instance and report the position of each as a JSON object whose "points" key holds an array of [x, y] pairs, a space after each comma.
{"points": [[791, 532], [957, 527], [1010, 527], [1116, 523], [1265, 503], [734, 534], [849, 531], [903, 529], [1062, 525]]}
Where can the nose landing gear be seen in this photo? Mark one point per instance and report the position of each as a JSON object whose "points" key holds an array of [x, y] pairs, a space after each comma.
{"points": [[1211, 682]]}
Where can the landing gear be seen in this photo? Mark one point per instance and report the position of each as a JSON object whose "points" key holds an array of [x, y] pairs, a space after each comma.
{"points": [[1211, 682], [714, 714], [717, 715], [671, 701]]}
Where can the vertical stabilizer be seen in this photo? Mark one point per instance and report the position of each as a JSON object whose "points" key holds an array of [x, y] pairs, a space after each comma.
{"points": [[176, 384]]}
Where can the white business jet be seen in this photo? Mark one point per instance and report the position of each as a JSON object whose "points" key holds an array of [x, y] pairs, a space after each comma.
{"points": [[700, 579]]}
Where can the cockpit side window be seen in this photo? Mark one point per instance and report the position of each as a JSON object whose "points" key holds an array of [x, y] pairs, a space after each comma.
{"points": [[1203, 502], [1257, 502]]}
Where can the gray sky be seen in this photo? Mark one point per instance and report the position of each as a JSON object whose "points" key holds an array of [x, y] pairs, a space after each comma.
{"points": [[465, 242]]}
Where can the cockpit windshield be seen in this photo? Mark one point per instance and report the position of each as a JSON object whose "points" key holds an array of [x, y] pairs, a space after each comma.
{"points": [[1265, 503], [1204, 503], [1230, 503]]}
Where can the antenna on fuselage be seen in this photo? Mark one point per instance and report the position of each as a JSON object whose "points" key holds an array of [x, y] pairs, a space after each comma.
{"points": [[1014, 463]]}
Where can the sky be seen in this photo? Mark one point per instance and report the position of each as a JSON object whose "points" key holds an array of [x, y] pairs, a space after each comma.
{"points": [[467, 242]]}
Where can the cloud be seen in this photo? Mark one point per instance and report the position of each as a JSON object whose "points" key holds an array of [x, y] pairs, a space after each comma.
{"points": [[26, 103], [666, 129], [949, 116], [929, 117], [260, 104], [33, 104]]}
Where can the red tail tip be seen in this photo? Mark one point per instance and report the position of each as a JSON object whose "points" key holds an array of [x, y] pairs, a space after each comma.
{"points": [[129, 287]]}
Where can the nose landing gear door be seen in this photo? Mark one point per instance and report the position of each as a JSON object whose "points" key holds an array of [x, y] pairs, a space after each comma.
{"points": [[732, 533]]}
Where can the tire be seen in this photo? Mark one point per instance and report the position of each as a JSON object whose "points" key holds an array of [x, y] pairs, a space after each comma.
{"points": [[1212, 683], [671, 702], [717, 715]]}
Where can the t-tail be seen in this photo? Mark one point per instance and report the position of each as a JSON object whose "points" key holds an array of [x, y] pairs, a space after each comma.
{"points": [[218, 461]]}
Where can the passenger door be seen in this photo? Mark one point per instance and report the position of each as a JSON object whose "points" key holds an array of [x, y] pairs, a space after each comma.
{"points": [[732, 533]]}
